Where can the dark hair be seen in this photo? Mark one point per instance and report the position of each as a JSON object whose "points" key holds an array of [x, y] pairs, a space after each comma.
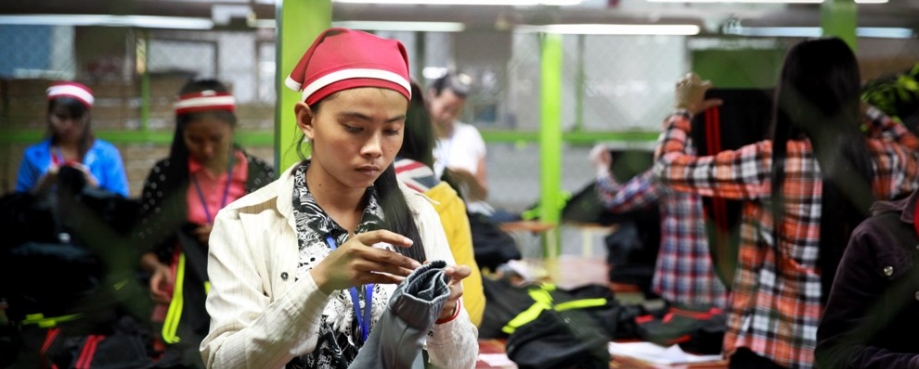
{"points": [[178, 153], [459, 83], [77, 110], [818, 98], [397, 217], [418, 141]]}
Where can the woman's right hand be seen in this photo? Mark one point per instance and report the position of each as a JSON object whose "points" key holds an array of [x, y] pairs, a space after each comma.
{"points": [[160, 284], [46, 181], [601, 159], [356, 262]]}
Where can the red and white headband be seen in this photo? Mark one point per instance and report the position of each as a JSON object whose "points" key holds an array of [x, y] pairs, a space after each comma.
{"points": [[341, 59], [207, 100], [72, 90]]}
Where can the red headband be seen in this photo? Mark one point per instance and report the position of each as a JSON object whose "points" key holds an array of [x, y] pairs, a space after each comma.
{"points": [[73, 90], [341, 59], [207, 100]]}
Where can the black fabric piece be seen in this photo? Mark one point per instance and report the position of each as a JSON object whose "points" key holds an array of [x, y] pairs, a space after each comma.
{"points": [[125, 344], [10, 344], [72, 261], [632, 249], [491, 246], [743, 358], [559, 340], [398, 336], [744, 118], [585, 205], [699, 332], [29, 216], [503, 302], [49, 278]]}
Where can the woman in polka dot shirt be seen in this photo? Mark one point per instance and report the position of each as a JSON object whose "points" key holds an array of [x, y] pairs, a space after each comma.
{"points": [[204, 172]]}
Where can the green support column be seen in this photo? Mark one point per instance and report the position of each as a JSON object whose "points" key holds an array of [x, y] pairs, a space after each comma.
{"points": [[840, 18], [550, 139], [298, 24]]}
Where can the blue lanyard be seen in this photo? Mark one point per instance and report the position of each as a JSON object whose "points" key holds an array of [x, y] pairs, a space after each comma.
{"points": [[226, 192], [363, 320]]}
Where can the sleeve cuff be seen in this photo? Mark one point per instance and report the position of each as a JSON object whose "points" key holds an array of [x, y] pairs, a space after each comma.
{"points": [[874, 113], [456, 312]]}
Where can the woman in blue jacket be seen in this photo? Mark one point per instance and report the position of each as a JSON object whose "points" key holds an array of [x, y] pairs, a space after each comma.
{"points": [[71, 143]]}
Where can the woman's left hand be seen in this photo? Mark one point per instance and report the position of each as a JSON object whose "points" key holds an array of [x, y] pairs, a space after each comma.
{"points": [[456, 273], [690, 94]]}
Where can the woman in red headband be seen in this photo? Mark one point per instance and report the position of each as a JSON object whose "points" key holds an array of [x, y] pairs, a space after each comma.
{"points": [[303, 270], [204, 172], [71, 142]]}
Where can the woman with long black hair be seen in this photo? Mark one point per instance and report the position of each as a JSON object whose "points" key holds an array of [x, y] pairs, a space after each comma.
{"points": [[205, 171], [815, 178]]}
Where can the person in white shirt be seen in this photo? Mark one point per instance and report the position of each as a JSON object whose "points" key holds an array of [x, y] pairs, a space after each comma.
{"points": [[302, 270], [460, 148]]}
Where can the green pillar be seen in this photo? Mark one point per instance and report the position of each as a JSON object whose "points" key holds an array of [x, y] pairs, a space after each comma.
{"points": [[840, 18], [298, 24], [550, 138]]}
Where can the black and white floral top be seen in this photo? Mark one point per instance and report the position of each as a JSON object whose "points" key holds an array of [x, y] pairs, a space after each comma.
{"points": [[339, 332]]}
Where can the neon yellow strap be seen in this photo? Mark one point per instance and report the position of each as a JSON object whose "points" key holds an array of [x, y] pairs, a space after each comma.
{"points": [[171, 323], [543, 302], [581, 304], [42, 322]]}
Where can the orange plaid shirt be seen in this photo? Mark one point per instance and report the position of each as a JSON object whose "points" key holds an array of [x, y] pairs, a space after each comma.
{"points": [[777, 317]]}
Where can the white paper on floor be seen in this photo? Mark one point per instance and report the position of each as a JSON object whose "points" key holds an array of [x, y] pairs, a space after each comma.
{"points": [[652, 353], [497, 360]]}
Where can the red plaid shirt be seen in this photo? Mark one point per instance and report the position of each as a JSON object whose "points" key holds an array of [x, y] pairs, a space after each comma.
{"points": [[777, 317], [684, 273]]}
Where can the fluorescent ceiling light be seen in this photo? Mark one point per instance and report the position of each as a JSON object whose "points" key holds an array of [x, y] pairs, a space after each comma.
{"points": [[140, 21], [874, 32], [763, 1], [465, 2], [402, 26], [613, 29]]}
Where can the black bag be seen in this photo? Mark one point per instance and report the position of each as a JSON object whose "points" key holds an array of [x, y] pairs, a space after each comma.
{"points": [[491, 246], [744, 118], [125, 344], [504, 302], [699, 332], [559, 340]]}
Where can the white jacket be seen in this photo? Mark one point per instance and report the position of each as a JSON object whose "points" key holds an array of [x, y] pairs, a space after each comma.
{"points": [[262, 318]]}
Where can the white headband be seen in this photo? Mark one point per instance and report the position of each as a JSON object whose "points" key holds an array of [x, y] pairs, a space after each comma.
{"points": [[71, 91]]}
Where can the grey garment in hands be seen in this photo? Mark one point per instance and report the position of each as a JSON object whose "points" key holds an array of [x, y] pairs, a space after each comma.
{"points": [[397, 338]]}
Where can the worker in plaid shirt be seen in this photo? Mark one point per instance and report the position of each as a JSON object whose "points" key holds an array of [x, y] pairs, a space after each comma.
{"points": [[819, 155], [684, 274]]}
